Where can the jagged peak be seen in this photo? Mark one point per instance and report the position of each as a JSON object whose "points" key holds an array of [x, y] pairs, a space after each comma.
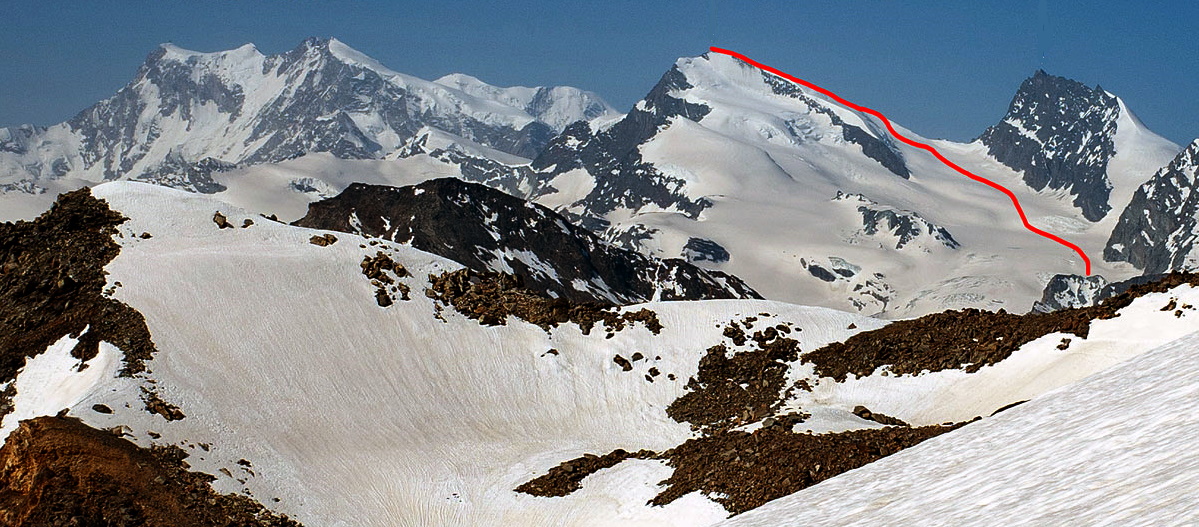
{"points": [[1042, 82], [1187, 159]]}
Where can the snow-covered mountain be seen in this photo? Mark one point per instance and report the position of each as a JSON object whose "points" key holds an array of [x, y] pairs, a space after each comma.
{"points": [[557, 106], [815, 202], [187, 115], [261, 351], [721, 164]]}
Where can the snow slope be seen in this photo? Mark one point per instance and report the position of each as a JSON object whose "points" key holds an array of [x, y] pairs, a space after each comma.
{"points": [[557, 106], [353, 414], [1113, 449]]}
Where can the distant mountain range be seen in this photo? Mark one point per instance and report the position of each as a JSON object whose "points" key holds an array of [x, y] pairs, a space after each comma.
{"points": [[187, 114], [720, 164]]}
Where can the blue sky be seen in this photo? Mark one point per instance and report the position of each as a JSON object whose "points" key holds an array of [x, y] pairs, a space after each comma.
{"points": [[943, 69]]}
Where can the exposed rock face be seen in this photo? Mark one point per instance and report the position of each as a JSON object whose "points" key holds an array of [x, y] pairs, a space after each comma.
{"points": [[701, 250], [175, 172], [52, 282], [623, 178], [1157, 231], [1059, 132], [1070, 290], [866, 291], [487, 230], [491, 298], [59, 471], [905, 226]]}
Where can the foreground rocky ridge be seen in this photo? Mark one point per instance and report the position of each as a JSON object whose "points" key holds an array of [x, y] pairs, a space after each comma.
{"points": [[747, 451], [59, 471], [52, 282], [970, 339]]}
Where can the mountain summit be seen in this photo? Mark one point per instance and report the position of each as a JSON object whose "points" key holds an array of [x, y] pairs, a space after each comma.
{"points": [[1063, 135]]}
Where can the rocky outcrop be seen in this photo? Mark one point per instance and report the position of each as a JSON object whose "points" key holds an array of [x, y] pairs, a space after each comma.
{"points": [[1066, 291], [1059, 134], [487, 230], [703, 250], [967, 339], [59, 471], [904, 226], [52, 282], [1157, 231], [491, 298]]}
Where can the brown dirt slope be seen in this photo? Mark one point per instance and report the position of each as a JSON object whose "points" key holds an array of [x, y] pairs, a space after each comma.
{"points": [[730, 391], [491, 297], [742, 470], [58, 471], [568, 476]]}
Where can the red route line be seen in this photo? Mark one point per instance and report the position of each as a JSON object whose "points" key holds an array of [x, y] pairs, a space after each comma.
{"points": [[917, 144]]}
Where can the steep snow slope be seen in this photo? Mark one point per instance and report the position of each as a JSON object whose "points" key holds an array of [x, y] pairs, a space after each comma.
{"points": [[354, 414], [1110, 450]]}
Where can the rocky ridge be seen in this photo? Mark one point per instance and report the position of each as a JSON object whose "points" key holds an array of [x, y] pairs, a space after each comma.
{"points": [[1157, 231], [58, 471], [1059, 134], [489, 231]]}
